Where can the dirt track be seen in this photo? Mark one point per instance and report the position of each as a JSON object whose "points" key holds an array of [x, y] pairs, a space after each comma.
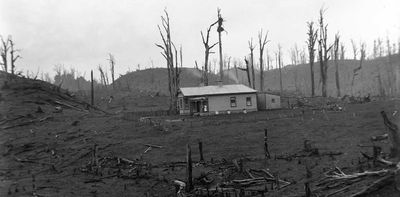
{"points": [[51, 154]]}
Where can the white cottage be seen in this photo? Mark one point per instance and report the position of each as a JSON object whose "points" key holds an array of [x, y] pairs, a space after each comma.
{"points": [[216, 99]]}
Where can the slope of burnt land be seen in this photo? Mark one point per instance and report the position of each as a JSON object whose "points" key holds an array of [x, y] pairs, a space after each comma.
{"points": [[54, 144]]}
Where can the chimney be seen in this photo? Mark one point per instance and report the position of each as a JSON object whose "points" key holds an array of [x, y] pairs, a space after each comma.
{"points": [[220, 84]]}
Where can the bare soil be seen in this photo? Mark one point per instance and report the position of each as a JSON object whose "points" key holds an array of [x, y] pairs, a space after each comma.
{"points": [[51, 153]]}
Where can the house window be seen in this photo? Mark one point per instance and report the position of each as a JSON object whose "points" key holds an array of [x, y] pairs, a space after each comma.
{"points": [[233, 101], [273, 100], [248, 101], [180, 103]]}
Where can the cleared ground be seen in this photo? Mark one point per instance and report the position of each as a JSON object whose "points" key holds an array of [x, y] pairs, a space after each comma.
{"points": [[51, 153]]}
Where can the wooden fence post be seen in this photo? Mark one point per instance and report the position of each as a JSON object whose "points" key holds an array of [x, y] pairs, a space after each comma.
{"points": [[189, 186]]}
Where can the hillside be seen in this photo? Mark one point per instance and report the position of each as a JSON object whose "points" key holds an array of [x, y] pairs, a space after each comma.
{"points": [[156, 80], [297, 78], [377, 77]]}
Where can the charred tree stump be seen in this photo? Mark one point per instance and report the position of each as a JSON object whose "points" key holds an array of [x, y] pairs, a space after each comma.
{"points": [[95, 161], [307, 182], [201, 151], [395, 138], [395, 135], [266, 151], [277, 183], [376, 153], [189, 168]]}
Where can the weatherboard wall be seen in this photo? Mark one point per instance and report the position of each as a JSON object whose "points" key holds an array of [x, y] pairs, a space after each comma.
{"points": [[268, 101], [222, 104]]}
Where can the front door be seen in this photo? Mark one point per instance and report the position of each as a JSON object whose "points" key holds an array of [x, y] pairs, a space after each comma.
{"points": [[198, 106]]}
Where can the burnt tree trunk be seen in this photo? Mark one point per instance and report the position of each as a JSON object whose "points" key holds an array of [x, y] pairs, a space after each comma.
{"points": [[323, 50], [395, 150], [13, 58], [395, 135], [251, 47], [207, 51], [279, 60], [91, 89], [4, 53], [173, 69], [248, 71], [220, 29], [336, 60], [262, 43]]}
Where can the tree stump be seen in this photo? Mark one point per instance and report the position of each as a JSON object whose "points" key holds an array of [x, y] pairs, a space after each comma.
{"points": [[395, 139]]}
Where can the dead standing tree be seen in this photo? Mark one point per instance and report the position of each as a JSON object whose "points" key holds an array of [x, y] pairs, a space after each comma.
{"points": [[312, 38], [355, 49], [247, 70], [336, 61], [13, 57], [280, 64], [4, 53], [103, 77], [342, 51], [168, 54], [295, 56], [323, 51], [262, 41], [219, 30], [112, 65], [207, 51], [251, 47], [356, 70]]}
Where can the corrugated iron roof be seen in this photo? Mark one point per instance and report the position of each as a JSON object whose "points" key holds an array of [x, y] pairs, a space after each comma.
{"points": [[216, 90]]}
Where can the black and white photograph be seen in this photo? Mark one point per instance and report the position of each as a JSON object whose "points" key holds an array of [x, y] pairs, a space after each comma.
{"points": [[200, 98]]}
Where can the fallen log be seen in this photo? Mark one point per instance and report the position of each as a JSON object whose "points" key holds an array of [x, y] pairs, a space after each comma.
{"points": [[378, 184], [69, 106], [147, 149], [380, 137], [153, 146], [28, 122], [100, 179], [32, 161], [338, 191], [249, 173]]}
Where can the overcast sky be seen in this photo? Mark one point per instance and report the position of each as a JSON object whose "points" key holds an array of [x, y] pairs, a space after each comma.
{"points": [[80, 34]]}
